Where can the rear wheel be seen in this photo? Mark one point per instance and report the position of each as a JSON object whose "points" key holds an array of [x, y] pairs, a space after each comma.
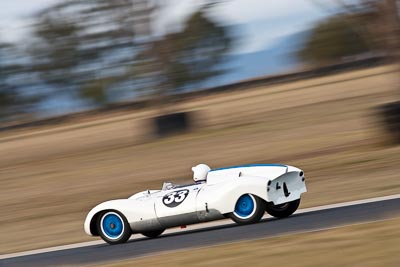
{"points": [[113, 227], [283, 210], [248, 209], [153, 234]]}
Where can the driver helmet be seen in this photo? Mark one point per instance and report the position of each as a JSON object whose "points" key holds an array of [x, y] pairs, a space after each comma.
{"points": [[200, 172]]}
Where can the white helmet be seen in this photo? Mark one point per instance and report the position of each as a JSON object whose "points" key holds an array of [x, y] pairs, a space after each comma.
{"points": [[200, 172]]}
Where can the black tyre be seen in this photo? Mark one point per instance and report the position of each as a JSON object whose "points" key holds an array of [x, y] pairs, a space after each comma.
{"points": [[153, 234], [248, 209], [283, 210], [113, 227]]}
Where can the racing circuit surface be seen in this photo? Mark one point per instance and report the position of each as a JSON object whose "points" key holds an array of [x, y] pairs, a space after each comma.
{"points": [[305, 221]]}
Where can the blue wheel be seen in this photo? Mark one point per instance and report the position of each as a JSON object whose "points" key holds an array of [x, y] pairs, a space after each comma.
{"points": [[113, 228], [245, 207], [248, 209]]}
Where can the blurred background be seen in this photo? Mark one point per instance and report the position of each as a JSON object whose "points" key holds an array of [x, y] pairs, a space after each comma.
{"points": [[100, 99], [60, 57]]}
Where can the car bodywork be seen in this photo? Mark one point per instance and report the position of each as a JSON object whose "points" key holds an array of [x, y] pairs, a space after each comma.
{"points": [[153, 210]]}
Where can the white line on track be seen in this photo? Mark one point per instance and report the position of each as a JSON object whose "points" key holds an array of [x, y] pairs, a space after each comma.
{"points": [[194, 227]]}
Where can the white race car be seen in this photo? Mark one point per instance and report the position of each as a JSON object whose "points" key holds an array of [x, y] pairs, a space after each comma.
{"points": [[242, 193]]}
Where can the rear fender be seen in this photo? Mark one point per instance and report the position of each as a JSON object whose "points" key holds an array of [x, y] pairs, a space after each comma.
{"points": [[223, 196], [286, 188]]}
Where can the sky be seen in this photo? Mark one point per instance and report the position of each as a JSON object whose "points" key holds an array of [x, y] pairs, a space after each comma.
{"points": [[262, 21]]}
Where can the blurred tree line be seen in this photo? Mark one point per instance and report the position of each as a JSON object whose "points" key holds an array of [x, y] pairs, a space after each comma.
{"points": [[93, 50], [361, 28], [100, 49], [334, 39], [358, 28]]}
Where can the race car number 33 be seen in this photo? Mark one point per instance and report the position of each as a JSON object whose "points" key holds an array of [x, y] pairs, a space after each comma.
{"points": [[174, 199]]}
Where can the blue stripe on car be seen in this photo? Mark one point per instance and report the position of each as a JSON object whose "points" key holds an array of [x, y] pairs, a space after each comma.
{"points": [[250, 165]]}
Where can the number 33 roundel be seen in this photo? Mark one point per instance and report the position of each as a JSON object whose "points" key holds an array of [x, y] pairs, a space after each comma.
{"points": [[174, 199]]}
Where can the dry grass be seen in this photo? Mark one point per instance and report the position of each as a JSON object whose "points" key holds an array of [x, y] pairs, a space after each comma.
{"points": [[366, 245], [50, 178]]}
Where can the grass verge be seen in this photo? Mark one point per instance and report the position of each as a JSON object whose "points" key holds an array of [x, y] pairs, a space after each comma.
{"points": [[365, 245]]}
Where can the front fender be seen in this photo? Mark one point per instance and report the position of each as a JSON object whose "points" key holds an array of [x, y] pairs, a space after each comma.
{"points": [[121, 205]]}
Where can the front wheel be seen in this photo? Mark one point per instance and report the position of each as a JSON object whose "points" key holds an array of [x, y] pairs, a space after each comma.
{"points": [[113, 227], [282, 210], [248, 209]]}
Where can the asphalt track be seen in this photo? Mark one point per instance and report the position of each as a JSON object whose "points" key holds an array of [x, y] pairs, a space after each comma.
{"points": [[306, 221]]}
